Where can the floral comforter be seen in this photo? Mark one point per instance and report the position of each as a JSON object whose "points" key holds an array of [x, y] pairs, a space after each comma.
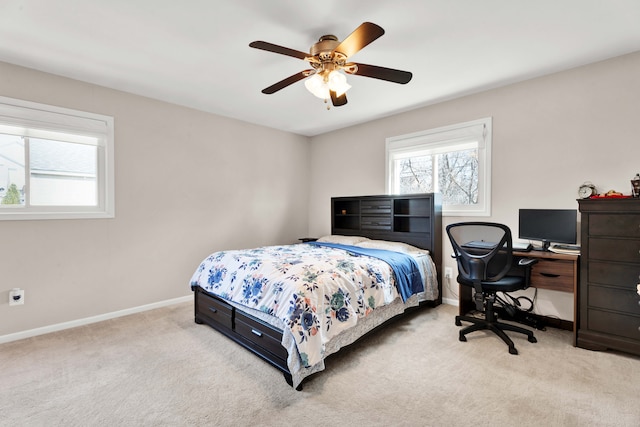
{"points": [[317, 292]]}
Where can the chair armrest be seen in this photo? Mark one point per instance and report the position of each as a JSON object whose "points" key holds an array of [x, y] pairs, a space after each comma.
{"points": [[527, 262]]}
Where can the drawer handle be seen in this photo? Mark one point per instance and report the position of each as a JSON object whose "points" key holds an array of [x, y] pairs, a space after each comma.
{"points": [[257, 333], [213, 310], [549, 275]]}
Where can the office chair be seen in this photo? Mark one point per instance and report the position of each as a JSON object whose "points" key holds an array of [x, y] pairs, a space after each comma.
{"points": [[483, 251]]}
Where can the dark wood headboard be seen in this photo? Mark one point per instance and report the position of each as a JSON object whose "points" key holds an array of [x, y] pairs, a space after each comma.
{"points": [[415, 219]]}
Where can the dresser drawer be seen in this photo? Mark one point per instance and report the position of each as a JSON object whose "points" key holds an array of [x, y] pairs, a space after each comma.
{"points": [[381, 206], [622, 325], [621, 250], [555, 274], [615, 225], [627, 301], [621, 275], [215, 309], [262, 334], [375, 223]]}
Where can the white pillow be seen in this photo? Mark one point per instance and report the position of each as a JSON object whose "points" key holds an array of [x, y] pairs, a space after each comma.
{"points": [[342, 240], [392, 246]]}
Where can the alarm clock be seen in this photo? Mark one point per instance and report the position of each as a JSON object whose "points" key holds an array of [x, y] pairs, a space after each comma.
{"points": [[587, 190]]}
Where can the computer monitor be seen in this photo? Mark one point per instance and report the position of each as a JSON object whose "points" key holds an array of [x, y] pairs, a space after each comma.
{"points": [[548, 226]]}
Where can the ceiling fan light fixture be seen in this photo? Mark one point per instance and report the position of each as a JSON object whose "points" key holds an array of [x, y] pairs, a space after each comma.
{"points": [[338, 83], [317, 86]]}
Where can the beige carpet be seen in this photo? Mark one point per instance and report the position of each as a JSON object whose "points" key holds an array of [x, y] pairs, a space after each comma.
{"points": [[159, 368]]}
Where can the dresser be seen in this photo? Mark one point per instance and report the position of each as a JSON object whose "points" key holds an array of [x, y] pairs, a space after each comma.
{"points": [[609, 305]]}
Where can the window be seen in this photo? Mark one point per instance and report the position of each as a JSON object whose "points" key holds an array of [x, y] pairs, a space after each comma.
{"points": [[54, 162], [453, 160]]}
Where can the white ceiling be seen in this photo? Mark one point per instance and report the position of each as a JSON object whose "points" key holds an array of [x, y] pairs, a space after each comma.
{"points": [[195, 52]]}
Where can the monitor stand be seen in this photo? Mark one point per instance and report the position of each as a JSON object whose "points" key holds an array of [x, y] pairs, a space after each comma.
{"points": [[544, 248]]}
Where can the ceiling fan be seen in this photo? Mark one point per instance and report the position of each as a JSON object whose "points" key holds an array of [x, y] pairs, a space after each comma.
{"points": [[327, 58]]}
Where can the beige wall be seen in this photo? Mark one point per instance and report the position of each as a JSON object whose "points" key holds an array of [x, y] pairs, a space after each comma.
{"points": [[181, 191], [550, 134], [187, 183]]}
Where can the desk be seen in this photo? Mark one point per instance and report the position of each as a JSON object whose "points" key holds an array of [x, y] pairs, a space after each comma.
{"points": [[558, 272]]}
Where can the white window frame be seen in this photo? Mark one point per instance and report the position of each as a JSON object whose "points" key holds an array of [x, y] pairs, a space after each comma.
{"points": [[32, 119], [476, 133]]}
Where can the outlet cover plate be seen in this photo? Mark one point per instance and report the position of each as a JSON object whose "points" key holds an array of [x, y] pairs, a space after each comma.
{"points": [[19, 293], [448, 272]]}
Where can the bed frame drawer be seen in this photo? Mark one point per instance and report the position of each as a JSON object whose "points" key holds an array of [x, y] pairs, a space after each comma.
{"points": [[260, 333], [253, 334], [214, 309]]}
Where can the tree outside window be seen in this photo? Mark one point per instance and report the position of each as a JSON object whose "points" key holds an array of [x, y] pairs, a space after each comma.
{"points": [[454, 161]]}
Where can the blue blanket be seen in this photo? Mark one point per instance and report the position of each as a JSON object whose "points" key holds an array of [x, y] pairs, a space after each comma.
{"points": [[405, 268]]}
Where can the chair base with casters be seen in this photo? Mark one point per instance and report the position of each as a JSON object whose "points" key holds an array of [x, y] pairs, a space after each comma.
{"points": [[491, 323]]}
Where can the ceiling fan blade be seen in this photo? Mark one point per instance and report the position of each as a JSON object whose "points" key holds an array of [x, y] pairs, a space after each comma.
{"points": [[270, 47], [288, 81], [382, 73], [338, 101], [359, 38]]}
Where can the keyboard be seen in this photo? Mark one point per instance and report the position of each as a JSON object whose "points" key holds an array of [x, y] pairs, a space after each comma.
{"points": [[479, 244], [566, 247], [522, 247]]}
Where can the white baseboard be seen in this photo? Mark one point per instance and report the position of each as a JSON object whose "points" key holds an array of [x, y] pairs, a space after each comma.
{"points": [[93, 319], [88, 320], [450, 301]]}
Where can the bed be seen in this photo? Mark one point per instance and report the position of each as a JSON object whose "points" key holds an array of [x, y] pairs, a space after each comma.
{"points": [[294, 305]]}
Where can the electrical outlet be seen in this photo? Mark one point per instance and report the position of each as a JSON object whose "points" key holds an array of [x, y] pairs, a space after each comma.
{"points": [[448, 272], [16, 296]]}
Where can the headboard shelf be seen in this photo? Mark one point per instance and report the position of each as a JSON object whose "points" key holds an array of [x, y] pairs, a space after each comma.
{"points": [[414, 218]]}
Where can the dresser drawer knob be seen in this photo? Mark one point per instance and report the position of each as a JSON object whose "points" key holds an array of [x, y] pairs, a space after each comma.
{"points": [[213, 310], [255, 332]]}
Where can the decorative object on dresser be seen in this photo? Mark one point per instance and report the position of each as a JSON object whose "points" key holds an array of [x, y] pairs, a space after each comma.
{"points": [[294, 305], [587, 190], [635, 186], [609, 316]]}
